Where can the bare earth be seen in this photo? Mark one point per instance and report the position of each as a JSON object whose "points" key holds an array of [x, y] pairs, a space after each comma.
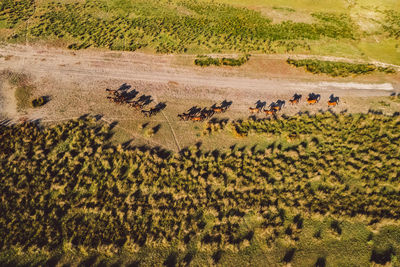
{"points": [[76, 82]]}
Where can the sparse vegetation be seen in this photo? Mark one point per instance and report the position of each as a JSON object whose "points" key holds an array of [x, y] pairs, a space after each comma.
{"points": [[205, 61], [392, 23], [23, 94], [77, 191], [335, 69]]}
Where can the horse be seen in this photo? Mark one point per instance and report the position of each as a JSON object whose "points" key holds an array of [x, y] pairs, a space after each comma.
{"points": [[112, 92], [296, 99], [278, 105], [254, 110], [208, 113], [219, 109], [333, 100], [184, 116], [313, 98], [197, 118], [136, 104], [148, 113], [269, 112]]}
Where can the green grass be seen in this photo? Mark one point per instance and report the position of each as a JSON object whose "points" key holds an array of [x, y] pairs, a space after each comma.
{"points": [[335, 69], [385, 50], [202, 27], [205, 61], [82, 196], [171, 27]]}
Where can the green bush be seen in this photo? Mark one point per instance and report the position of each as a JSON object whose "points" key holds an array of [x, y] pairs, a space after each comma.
{"points": [[40, 101], [335, 69], [204, 61]]}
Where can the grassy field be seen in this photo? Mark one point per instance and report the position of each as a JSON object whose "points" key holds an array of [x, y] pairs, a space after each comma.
{"points": [[362, 30], [309, 187], [324, 189]]}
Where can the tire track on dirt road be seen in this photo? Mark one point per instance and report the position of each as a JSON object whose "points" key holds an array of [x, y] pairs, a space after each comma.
{"points": [[61, 63]]}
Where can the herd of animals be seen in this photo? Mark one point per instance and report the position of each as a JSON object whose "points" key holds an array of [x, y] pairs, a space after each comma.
{"points": [[274, 107], [124, 96]]}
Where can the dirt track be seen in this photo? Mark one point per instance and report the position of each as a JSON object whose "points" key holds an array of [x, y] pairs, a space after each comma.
{"points": [[76, 82], [90, 65]]}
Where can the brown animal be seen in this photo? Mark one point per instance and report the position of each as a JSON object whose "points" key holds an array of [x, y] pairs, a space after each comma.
{"points": [[112, 92], [312, 101], [219, 109], [269, 111], [332, 103], [313, 98], [197, 118], [207, 113], [184, 116], [254, 110], [333, 100], [148, 113], [136, 105], [296, 99]]}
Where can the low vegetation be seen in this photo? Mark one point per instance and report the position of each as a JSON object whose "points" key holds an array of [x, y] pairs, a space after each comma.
{"points": [[324, 179], [166, 26], [23, 88], [392, 23], [40, 101], [335, 69], [205, 61]]}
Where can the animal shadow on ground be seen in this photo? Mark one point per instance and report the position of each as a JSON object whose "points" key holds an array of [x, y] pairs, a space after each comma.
{"points": [[194, 110], [226, 104], [160, 106], [124, 87], [129, 95], [145, 99], [156, 128]]}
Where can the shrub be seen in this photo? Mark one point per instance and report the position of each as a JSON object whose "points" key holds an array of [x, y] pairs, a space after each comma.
{"points": [[40, 101], [204, 61], [336, 69]]}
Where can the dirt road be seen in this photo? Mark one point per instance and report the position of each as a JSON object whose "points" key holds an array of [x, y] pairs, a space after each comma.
{"points": [[89, 65], [76, 83]]}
